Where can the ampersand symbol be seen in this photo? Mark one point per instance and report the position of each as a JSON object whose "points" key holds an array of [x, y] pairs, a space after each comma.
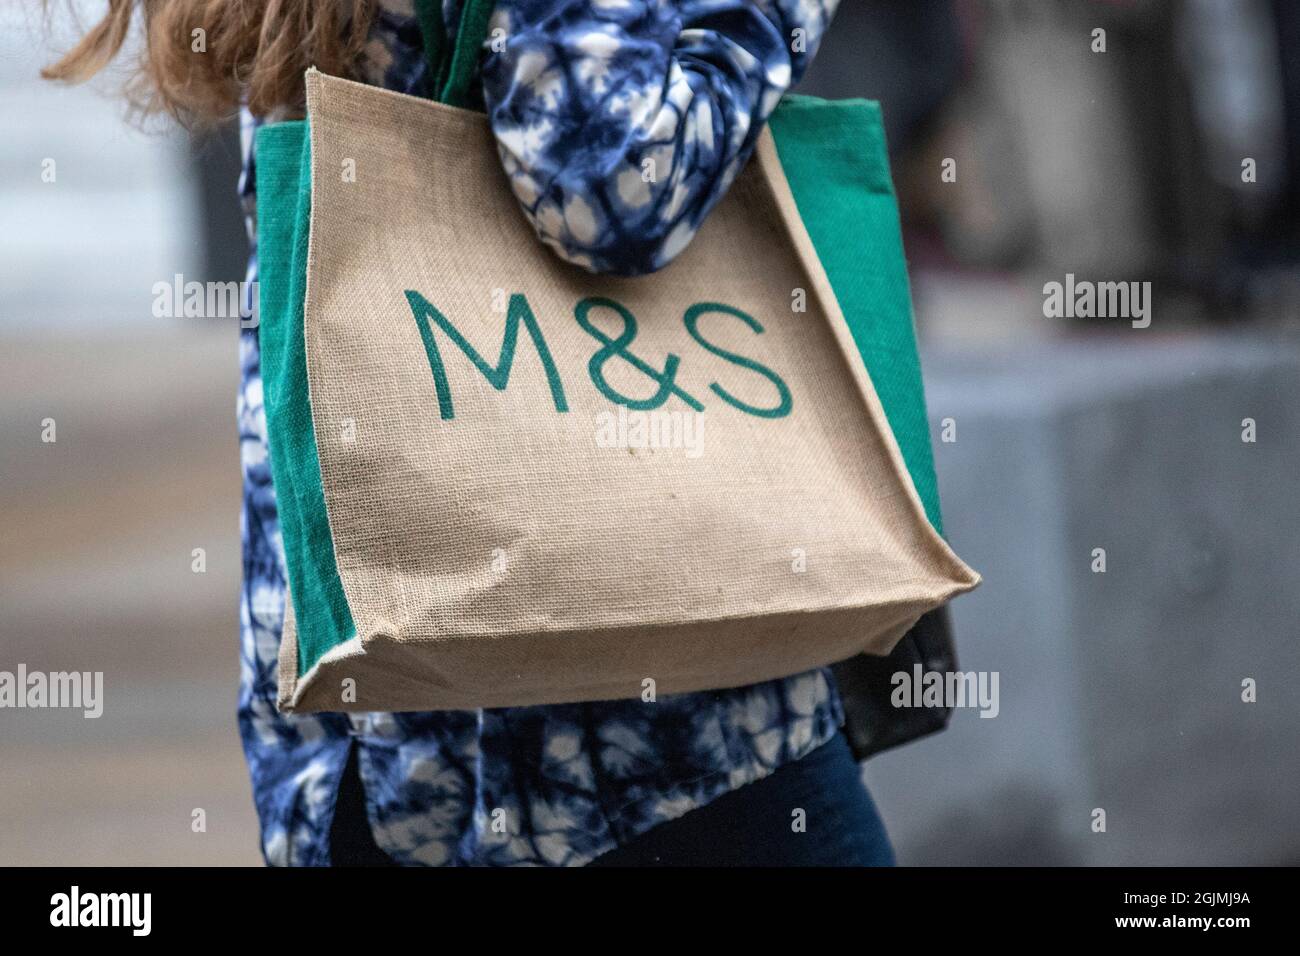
{"points": [[667, 379]]}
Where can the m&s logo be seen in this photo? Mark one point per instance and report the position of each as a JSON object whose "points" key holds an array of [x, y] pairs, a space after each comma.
{"points": [[519, 314]]}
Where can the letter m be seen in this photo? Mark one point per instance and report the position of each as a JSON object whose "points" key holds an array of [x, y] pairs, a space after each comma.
{"points": [[1112, 297], [499, 376]]}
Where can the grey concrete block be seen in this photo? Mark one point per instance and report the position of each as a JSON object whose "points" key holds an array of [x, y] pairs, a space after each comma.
{"points": [[1120, 690]]}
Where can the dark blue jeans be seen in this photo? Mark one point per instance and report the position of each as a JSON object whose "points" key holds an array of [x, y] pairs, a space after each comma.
{"points": [[753, 826]]}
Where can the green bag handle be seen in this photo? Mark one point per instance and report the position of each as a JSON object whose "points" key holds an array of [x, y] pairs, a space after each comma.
{"points": [[451, 72]]}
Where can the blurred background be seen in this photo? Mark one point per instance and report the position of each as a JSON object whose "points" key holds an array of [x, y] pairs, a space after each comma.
{"points": [[1112, 156], [97, 528]]}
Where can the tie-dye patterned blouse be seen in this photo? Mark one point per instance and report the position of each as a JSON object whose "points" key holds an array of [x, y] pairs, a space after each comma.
{"points": [[582, 94]]}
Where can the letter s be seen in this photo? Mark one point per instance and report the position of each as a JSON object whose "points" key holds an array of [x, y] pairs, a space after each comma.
{"points": [[692, 318]]}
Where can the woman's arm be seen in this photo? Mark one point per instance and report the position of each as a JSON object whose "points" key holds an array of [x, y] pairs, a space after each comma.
{"points": [[622, 122]]}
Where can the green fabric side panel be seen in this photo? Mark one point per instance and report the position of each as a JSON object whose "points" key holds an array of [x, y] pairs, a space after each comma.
{"points": [[834, 157], [283, 212]]}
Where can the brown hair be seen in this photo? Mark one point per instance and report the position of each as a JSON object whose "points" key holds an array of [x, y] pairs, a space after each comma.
{"points": [[250, 52]]}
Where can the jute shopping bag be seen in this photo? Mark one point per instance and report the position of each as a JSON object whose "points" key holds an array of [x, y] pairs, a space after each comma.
{"points": [[467, 517]]}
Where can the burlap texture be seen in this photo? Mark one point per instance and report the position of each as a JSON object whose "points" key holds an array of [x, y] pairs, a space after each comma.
{"points": [[502, 556]]}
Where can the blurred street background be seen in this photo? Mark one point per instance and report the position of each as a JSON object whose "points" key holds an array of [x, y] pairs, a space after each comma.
{"points": [[97, 529], [1119, 690]]}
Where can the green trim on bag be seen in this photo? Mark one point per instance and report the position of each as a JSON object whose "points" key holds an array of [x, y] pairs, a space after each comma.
{"points": [[834, 157], [283, 215], [283, 152]]}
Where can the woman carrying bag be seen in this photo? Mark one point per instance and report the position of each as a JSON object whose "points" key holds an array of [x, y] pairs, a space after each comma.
{"points": [[583, 98]]}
